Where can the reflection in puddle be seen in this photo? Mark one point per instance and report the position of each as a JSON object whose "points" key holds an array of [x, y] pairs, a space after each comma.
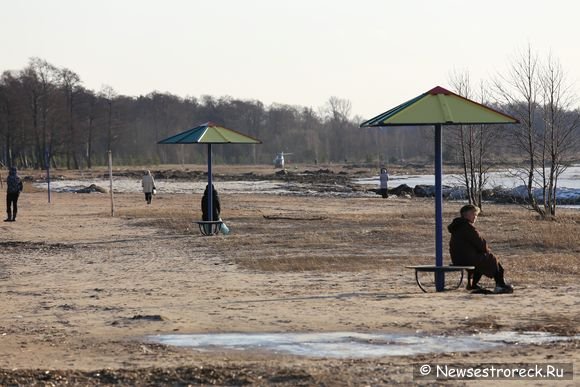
{"points": [[354, 345]]}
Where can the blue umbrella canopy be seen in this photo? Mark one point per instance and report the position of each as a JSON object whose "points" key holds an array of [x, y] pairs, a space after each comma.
{"points": [[438, 107], [210, 133]]}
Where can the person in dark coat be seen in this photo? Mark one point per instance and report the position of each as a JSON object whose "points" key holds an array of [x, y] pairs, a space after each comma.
{"points": [[384, 183], [215, 201], [468, 248], [13, 189]]}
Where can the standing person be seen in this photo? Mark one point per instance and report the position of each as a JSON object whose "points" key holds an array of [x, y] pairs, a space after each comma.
{"points": [[468, 248], [13, 189], [216, 206], [384, 179], [148, 185]]}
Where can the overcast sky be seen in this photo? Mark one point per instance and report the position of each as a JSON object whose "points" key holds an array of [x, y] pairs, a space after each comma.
{"points": [[375, 53]]}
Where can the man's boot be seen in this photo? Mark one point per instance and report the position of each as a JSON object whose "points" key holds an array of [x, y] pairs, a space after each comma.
{"points": [[9, 217], [500, 285]]}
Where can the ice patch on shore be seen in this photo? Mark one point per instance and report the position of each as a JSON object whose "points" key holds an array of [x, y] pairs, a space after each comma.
{"points": [[353, 344], [508, 181], [124, 185], [570, 179]]}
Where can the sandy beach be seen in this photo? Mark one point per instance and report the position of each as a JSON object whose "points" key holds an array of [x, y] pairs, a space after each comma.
{"points": [[81, 291]]}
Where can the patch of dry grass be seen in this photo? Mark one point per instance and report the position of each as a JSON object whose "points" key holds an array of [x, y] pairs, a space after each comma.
{"points": [[366, 234], [565, 325], [166, 219], [520, 229], [559, 324]]}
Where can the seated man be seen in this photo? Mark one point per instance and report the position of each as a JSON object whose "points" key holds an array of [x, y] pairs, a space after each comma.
{"points": [[468, 248]]}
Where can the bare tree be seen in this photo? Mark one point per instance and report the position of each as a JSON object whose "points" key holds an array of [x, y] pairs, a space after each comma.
{"points": [[560, 123], [338, 109], [518, 90], [39, 80], [541, 99], [91, 107], [337, 112], [474, 141], [70, 82], [10, 129]]}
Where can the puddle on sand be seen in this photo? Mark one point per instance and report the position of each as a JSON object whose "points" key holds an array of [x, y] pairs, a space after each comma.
{"points": [[354, 345]]}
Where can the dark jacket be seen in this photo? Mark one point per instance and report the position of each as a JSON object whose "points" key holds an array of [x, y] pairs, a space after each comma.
{"points": [[468, 248], [13, 182], [215, 201]]}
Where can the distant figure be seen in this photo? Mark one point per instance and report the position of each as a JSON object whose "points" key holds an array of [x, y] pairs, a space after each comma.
{"points": [[384, 179], [468, 248], [148, 184], [13, 189], [215, 201]]}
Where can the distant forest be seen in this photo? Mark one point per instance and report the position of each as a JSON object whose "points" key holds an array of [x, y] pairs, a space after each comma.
{"points": [[47, 115]]}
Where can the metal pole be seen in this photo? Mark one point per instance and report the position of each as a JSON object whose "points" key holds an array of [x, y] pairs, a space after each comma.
{"points": [[209, 187], [47, 156], [111, 182], [439, 276]]}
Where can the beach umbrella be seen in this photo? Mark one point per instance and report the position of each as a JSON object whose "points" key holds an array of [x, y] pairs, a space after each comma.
{"points": [[439, 107], [210, 133]]}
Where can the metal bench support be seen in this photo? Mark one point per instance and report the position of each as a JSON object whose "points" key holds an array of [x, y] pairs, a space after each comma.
{"points": [[439, 271], [209, 227]]}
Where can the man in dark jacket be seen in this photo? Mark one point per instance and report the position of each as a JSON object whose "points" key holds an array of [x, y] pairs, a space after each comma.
{"points": [[13, 189], [468, 248]]}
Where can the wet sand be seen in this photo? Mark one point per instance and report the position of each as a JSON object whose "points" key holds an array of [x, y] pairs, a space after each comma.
{"points": [[81, 289]]}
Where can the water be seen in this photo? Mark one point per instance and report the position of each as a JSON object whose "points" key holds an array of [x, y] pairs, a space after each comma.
{"points": [[568, 183], [352, 344], [569, 179]]}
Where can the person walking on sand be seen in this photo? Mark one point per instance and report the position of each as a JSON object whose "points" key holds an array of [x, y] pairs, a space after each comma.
{"points": [[468, 248], [148, 184], [13, 189], [384, 181]]}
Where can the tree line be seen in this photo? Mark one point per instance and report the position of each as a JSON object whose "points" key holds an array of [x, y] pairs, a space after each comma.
{"points": [[48, 116]]}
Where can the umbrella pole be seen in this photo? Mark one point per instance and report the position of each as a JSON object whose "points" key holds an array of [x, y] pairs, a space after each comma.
{"points": [[47, 157], [209, 184], [439, 275]]}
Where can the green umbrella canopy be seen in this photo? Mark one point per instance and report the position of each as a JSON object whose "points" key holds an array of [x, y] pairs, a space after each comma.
{"points": [[439, 106], [210, 133]]}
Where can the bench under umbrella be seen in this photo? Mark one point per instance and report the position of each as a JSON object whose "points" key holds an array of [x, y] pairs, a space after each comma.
{"points": [[210, 133], [439, 107]]}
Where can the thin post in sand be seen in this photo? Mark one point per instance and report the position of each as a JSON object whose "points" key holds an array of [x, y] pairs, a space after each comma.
{"points": [[47, 157], [111, 182]]}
